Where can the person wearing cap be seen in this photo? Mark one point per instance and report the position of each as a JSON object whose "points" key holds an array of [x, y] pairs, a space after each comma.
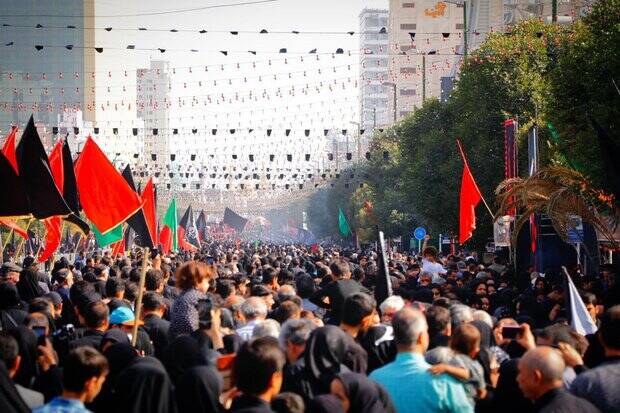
{"points": [[9, 272], [124, 319]]}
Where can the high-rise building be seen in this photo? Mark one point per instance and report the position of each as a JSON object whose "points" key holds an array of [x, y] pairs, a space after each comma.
{"points": [[41, 73], [373, 69], [153, 93], [424, 42]]}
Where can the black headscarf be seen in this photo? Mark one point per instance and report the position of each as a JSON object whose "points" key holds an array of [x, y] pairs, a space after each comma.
{"points": [[10, 400], [508, 397], [28, 286], [363, 393], [11, 311], [198, 390], [326, 403], [119, 356], [27, 342], [184, 352], [9, 297], [144, 386], [324, 354]]}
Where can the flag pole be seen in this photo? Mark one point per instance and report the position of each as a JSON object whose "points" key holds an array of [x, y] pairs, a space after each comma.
{"points": [[4, 244], [2, 248], [77, 244], [21, 244], [138, 309], [458, 142]]}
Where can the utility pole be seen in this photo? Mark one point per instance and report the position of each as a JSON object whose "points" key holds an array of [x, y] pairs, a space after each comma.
{"points": [[465, 28], [392, 85], [554, 11], [423, 78]]}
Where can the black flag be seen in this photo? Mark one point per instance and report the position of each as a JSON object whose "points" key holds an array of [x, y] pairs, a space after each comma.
{"points": [[137, 221], [234, 220], [34, 168], [14, 201], [187, 232], [129, 238], [69, 190], [201, 226]]}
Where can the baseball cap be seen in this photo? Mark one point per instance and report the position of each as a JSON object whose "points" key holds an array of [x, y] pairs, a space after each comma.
{"points": [[123, 316]]}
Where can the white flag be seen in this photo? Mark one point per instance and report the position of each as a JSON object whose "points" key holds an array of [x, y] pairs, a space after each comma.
{"points": [[581, 321]]}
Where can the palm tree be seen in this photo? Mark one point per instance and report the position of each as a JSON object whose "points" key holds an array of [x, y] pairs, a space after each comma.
{"points": [[560, 193]]}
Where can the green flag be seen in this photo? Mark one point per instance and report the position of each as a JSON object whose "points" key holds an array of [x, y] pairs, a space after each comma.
{"points": [[169, 235], [343, 225], [110, 237]]}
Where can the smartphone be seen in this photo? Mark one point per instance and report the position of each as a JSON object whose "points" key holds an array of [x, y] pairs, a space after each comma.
{"points": [[39, 331], [210, 260], [511, 332]]}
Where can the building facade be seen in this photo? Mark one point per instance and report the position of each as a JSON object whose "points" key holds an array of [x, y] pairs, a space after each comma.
{"points": [[373, 69], [41, 73], [425, 40], [153, 96]]}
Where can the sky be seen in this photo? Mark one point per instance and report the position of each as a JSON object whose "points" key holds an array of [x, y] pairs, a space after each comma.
{"points": [[299, 94]]}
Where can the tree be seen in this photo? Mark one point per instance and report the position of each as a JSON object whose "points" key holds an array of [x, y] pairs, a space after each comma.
{"points": [[585, 92], [560, 193]]}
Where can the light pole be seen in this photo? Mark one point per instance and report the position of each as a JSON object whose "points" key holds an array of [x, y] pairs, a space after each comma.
{"points": [[358, 127], [430, 52], [423, 78], [392, 85], [464, 3]]}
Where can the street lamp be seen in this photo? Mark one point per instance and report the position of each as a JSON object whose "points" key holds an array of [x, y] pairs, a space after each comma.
{"points": [[393, 85]]}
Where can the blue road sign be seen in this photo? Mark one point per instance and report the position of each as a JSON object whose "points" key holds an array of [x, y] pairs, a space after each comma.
{"points": [[419, 233]]}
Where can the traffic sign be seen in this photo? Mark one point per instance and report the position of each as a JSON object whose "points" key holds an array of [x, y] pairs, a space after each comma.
{"points": [[419, 233]]}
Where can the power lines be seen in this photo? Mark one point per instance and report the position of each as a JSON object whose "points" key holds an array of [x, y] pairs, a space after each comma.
{"points": [[154, 13]]}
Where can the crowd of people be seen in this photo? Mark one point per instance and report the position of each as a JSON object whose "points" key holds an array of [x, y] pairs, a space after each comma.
{"points": [[268, 328]]}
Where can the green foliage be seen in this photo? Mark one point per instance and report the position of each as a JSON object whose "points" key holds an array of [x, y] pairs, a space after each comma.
{"points": [[539, 73]]}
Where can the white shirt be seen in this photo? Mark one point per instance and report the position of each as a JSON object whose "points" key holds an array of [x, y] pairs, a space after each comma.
{"points": [[432, 267]]}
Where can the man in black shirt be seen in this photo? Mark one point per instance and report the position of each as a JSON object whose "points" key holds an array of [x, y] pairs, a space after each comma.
{"points": [[540, 379], [333, 295], [376, 341], [153, 308], [95, 319]]}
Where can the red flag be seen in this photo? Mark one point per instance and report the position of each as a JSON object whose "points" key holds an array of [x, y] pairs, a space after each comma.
{"points": [[106, 197], [56, 165], [52, 237], [16, 228], [470, 197], [8, 149], [118, 248], [149, 209], [165, 237]]}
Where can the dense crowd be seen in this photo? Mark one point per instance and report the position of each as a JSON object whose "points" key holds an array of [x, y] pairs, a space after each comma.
{"points": [[266, 328]]}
